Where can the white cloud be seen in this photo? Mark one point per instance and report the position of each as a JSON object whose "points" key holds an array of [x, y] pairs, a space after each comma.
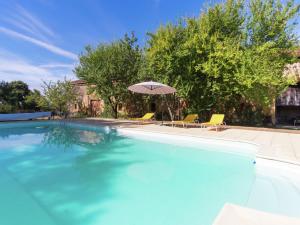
{"points": [[37, 24], [23, 25], [13, 67], [25, 21], [45, 45]]}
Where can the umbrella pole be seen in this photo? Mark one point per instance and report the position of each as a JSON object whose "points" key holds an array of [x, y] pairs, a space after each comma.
{"points": [[164, 99], [162, 111]]}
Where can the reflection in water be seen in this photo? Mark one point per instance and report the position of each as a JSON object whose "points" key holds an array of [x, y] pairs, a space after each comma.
{"points": [[90, 137], [62, 136], [65, 136]]}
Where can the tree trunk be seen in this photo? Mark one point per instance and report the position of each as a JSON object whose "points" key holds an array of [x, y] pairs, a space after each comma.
{"points": [[114, 107], [169, 109], [273, 112]]}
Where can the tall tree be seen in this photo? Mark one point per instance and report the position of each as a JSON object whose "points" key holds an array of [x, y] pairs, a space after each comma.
{"points": [[18, 93], [5, 107], [270, 41], [233, 54], [14, 94], [194, 55], [4, 91], [110, 68], [270, 21]]}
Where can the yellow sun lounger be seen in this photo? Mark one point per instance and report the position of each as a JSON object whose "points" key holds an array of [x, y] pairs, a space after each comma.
{"points": [[216, 120], [146, 117], [187, 120]]}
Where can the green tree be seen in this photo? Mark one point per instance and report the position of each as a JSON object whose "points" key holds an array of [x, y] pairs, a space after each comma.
{"points": [[59, 96], [6, 108], [233, 54], [13, 95], [197, 55], [18, 92], [33, 100], [110, 68], [4, 91], [270, 21], [270, 40]]}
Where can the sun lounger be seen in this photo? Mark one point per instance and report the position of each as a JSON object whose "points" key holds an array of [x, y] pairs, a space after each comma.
{"points": [[216, 121], [146, 117], [189, 119]]}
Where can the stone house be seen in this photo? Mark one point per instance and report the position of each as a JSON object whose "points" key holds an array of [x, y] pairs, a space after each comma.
{"points": [[88, 104]]}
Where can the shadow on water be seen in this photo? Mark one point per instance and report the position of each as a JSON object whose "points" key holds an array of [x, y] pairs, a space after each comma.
{"points": [[71, 174]]}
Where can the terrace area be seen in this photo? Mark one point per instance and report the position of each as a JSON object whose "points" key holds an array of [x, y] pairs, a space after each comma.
{"points": [[277, 144]]}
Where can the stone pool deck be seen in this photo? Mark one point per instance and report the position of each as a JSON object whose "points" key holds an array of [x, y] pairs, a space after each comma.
{"points": [[282, 145]]}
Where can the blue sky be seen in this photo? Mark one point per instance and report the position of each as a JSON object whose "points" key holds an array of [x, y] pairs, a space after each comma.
{"points": [[41, 39]]}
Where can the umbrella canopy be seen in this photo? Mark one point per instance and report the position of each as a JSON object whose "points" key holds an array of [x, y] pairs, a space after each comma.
{"points": [[152, 88]]}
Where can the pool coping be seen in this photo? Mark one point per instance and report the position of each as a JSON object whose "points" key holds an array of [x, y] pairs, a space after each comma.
{"points": [[275, 159], [275, 144], [190, 136]]}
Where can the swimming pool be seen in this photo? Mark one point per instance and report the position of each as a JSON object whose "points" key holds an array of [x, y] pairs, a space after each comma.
{"points": [[65, 173]]}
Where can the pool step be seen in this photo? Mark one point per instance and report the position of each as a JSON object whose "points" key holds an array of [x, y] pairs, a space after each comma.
{"points": [[275, 194]]}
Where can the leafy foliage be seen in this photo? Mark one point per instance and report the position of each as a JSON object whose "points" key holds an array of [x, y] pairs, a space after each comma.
{"points": [[59, 96], [110, 69], [231, 57], [270, 21], [33, 100], [15, 96]]}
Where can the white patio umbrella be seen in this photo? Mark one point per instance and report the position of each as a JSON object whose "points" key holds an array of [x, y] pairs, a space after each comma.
{"points": [[152, 88]]}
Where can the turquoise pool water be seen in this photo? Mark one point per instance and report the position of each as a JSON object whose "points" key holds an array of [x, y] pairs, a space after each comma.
{"points": [[67, 174]]}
